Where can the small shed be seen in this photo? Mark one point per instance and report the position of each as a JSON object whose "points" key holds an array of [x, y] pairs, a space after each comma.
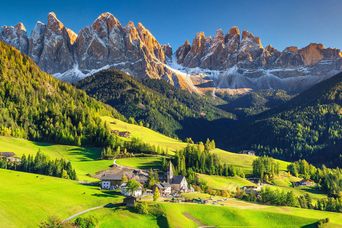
{"points": [[129, 201]]}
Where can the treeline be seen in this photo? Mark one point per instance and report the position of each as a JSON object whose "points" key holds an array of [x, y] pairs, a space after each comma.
{"points": [[41, 164], [276, 197], [197, 158], [265, 168], [121, 148], [328, 180], [36, 106]]}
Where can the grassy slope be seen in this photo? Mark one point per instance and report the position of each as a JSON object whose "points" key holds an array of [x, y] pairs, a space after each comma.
{"points": [[117, 217], [243, 161], [147, 135], [84, 160], [224, 183], [35, 197], [266, 216]]}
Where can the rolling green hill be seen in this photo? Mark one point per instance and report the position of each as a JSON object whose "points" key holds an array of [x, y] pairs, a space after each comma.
{"points": [[155, 102]]}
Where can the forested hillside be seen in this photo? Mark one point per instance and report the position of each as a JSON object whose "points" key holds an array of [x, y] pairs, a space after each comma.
{"points": [[37, 106], [156, 103], [308, 126]]}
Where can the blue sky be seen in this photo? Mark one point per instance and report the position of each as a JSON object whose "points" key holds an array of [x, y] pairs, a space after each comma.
{"points": [[279, 23]]}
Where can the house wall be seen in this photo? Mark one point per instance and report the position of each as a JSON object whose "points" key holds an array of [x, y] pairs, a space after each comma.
{"points": [[184, 185], [105, 184]]}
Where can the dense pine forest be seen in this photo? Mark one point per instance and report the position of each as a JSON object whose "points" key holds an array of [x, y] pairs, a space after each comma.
{"points": [[308, 126]]}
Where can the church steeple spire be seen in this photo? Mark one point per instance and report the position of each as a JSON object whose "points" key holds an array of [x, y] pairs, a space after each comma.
{"points": [[169, 172]]}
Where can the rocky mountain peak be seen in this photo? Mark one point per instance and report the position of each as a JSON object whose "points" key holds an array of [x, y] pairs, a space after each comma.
{"points": [[219, 36], [292, 49], [198, 43], [182, 51], [15, 36], [247, 35], [234, 31], [312, 54], [20, 27], [53, 23], [106, 21], [167, 50]]}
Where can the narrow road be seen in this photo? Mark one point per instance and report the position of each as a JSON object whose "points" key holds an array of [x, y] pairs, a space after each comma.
{"points": [[82, 212]]}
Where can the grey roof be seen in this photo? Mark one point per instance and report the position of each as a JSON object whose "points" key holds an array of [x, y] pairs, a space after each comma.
{"points": [[112, 176], [177, 179], [7, 154]]}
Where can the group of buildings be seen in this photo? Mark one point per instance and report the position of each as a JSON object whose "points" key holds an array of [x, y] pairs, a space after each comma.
{"points": [[9, 156], [116, 178]]}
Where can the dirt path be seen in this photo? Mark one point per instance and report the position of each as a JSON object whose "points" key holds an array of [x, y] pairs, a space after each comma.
{"points": [[83, 212], [195, 220]]}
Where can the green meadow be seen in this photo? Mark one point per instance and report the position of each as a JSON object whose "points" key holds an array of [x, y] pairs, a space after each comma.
{"points": [[27, 199]]}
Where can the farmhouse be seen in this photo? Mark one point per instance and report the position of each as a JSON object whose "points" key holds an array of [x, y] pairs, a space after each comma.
{"points": [[112, 179], [251, 189], [164, 188], [9, 156], [248, 152], [303, 182], [125, 134]]}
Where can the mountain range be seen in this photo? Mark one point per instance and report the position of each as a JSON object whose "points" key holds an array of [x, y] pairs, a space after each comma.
{"points": [[226, 63]]}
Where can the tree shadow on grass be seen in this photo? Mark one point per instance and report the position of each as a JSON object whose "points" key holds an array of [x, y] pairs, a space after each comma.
{"points": [[312, 225], [150, 165], [106, 194], [88, 154]]}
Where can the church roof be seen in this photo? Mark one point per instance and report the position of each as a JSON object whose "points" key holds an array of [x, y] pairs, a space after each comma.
{"points": [[177, 179]]}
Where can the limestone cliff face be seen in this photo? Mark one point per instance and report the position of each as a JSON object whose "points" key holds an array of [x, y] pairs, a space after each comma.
{"points": [[58, 50], [239, 60], [227, 50], [56, 55]]}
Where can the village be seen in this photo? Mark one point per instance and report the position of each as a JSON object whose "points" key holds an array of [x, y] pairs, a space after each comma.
{"points": [[168, 185]]}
